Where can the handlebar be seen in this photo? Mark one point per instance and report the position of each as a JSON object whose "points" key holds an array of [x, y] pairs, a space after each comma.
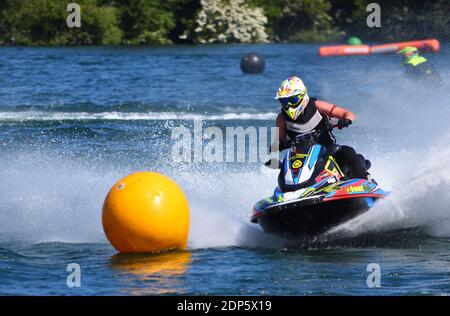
{"points": [[309, 138], [302, 138]]}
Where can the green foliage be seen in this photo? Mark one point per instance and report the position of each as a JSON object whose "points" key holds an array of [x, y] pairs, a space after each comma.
{"points": [[99, 26], [43, 22], [145, 21], [110, 22], [31, 22], [412, 20], [308, 18], [400, 19], [184, 12], [273, 12]]}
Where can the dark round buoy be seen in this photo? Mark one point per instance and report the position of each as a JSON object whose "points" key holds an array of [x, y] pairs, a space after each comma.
{"points": [[252, 63]]}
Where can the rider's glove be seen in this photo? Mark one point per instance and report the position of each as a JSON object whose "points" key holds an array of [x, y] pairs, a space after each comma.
{"points": [[343, 122]]}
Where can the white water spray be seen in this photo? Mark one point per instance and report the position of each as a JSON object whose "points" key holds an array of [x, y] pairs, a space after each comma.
{"points": [[420, 196]]}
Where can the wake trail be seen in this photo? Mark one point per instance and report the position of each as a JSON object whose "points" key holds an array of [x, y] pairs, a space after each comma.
{"points": [[421, 199]]}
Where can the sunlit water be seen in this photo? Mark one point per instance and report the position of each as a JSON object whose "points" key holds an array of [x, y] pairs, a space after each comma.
{"points": [[75, 120]]}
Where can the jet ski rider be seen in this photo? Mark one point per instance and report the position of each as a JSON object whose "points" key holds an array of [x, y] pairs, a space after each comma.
{"points": [[301, 114], [418, 67]]}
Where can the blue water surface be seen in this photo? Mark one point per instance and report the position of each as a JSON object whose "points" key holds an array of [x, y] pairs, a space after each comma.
{"points": [[75, 120]]}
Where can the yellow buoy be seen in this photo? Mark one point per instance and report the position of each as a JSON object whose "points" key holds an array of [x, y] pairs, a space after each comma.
{"points": [[146, 212]]}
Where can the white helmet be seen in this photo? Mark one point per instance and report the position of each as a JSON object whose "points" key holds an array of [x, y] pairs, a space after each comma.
{"points": [[293, 96]]}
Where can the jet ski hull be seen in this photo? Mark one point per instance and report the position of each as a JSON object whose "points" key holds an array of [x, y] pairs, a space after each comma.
{"points": [[311, 217], [314, 194]]}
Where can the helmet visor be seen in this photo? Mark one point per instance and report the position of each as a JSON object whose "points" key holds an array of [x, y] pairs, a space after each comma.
{"points": [[291, 102]]}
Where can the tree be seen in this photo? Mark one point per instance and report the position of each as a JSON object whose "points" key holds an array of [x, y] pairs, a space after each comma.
{"points": [[100, 26], [145, 21], [401, 19], [184, 12], [43, 22], [306, 20], [229, 21], [107, 22], [273, 11]]}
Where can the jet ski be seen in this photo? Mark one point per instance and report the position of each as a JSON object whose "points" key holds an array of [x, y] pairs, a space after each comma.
{"points": [[314, 192]]}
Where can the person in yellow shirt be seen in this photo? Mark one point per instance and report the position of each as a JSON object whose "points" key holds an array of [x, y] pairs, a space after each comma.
{"points": [[418, 67]]}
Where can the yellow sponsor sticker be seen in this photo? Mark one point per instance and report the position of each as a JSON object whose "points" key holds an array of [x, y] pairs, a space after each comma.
{"points": [[297, 164], [298, 156], [356, 189]]}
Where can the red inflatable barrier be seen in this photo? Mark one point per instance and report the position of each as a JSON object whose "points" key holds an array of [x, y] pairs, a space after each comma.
{"points": [[432, 45], [429, 45], [344, 50]]}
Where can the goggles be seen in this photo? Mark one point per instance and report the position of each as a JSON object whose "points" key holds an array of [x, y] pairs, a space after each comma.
{"points": [[292, 102]]}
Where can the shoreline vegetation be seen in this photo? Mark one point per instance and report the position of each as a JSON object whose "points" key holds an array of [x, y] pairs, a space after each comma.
{"points": [[164, 22]]}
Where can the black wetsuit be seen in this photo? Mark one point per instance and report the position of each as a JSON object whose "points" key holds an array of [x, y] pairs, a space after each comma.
{"points": [[312, 119]]}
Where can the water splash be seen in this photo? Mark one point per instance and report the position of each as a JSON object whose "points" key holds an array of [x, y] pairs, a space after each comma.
{"points": [[48, 197], [23, 116], [419, 199]]}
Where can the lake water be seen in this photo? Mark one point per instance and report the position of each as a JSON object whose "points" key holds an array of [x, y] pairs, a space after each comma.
{"points": [[75, 120]]}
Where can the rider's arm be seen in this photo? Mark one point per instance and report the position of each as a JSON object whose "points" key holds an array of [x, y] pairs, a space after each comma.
{"points": [[281, 125], [334, 111]]}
